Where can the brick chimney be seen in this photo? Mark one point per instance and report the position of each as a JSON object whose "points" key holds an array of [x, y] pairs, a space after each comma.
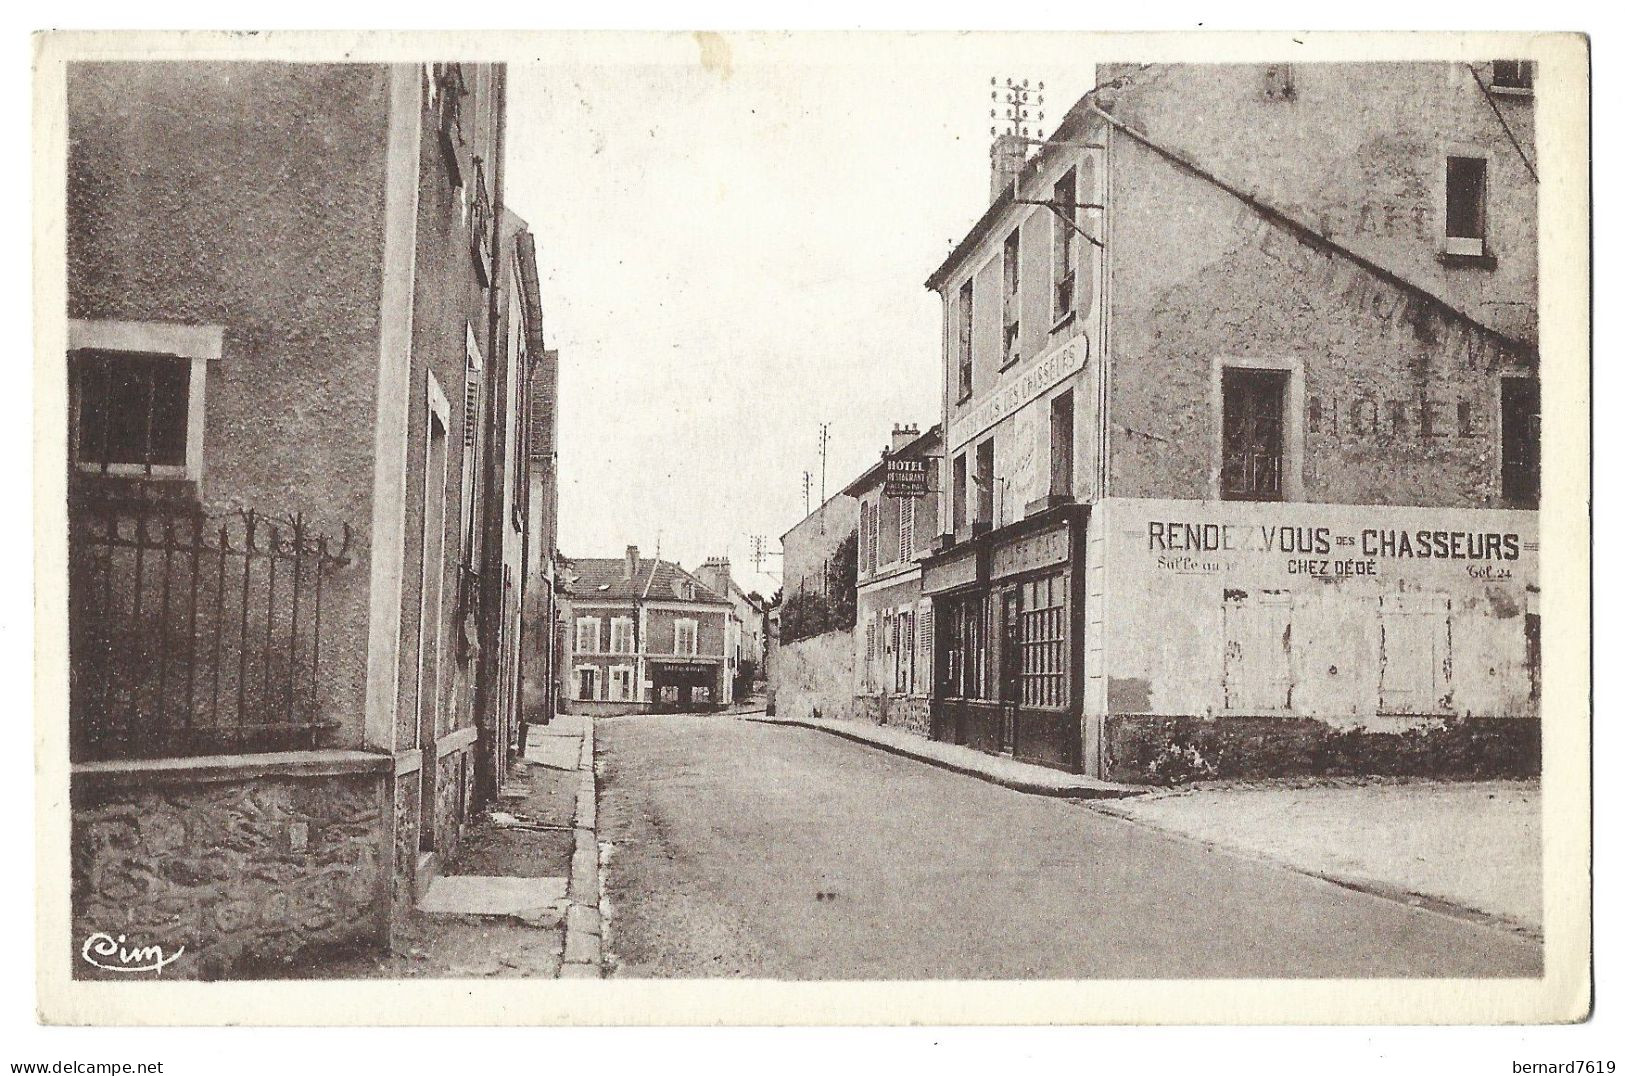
{"points": [[715, 574], [901, 435], [631, 562], [1009, 154]]}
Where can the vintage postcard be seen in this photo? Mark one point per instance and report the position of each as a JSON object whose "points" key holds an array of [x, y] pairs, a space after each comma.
{"points": [[686, 528]]}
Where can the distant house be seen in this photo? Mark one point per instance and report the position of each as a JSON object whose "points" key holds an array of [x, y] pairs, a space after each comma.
{"points": [[642, 635], [748, 645]]}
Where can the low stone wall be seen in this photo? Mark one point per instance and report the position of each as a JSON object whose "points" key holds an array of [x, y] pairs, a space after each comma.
{"points": [[1176, 750], [905, 712], [813, 677], [238, 872]]}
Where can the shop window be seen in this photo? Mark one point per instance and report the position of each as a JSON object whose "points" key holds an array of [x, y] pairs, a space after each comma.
{"points": [[966, 311], [1064, 248], [1042, 643], [984, 481], [687, 637], [1060, 445], [964, 647], [587, 635], [1253, 439], [1520, 441], [586, 684], [959, 493], [620, 636], [1011, 305], [1512, 76], [1464, 207]]}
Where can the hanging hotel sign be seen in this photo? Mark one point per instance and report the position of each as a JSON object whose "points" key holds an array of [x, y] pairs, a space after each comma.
{"points": [[1023, 389], [907, 478]]}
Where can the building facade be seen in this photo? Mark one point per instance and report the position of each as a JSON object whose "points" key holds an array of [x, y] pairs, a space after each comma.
{"points": [[1240, 429], [644, 635], [891, 640], [290, 543]]}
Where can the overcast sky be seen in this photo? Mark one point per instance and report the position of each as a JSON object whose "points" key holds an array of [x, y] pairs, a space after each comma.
{"points": [[734, 251]]}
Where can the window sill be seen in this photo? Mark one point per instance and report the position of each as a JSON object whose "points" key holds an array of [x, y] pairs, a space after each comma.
{"points": [[964, 398], [1063, 321], [1512, 91], [1467, 261], [1008, 362]]}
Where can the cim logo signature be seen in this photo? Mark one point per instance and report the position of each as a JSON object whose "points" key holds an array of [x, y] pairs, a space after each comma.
{"points": [[111, 954]]}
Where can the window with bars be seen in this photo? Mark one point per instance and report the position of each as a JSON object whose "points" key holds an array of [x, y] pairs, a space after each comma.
{"points": [[1254, 402], [131, 411], [1042, 644]]}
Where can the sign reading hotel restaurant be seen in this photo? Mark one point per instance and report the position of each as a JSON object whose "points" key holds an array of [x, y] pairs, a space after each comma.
{"points": [[1042, 550], [1027, 386], [907, 478]]}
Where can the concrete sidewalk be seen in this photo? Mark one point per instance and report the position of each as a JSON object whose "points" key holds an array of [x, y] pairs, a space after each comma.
{"points": [[1020, 776]]}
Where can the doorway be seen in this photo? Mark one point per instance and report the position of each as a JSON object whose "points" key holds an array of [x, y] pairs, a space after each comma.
{"points": [[1009, 667]]}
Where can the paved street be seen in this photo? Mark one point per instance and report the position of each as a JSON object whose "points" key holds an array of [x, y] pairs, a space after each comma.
{"points": [[744, 849]]}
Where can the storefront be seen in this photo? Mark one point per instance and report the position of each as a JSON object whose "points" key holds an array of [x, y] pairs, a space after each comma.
{"points": [[686, 685], [1009, 629]]}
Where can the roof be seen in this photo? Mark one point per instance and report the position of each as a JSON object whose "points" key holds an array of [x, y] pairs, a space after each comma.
{"points": [[913, 448], [604, 579]]}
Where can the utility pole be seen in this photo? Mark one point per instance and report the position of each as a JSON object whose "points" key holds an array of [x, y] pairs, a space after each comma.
{"points": [[1019, 102], [823, 459], [806, 493]]}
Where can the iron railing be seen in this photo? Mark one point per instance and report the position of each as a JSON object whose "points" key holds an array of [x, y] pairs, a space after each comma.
{"points": [[192, 634]]}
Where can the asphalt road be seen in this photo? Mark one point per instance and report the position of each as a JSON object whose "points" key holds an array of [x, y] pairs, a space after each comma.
{"points": [[745, 849]]}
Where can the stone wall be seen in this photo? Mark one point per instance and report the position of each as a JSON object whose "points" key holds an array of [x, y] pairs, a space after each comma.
{"points": [[1175, 750], [813, 677], [911, 713], [237, 876]]}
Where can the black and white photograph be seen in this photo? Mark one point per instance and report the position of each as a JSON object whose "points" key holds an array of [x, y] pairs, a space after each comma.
{"points": [[713, 516]]}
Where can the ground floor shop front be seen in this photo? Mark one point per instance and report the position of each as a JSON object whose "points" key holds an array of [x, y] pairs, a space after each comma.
{"points": [[1160, 640]]}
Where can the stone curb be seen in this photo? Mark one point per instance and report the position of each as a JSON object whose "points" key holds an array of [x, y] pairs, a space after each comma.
{"points": [[1103, 790], [583, 923]]}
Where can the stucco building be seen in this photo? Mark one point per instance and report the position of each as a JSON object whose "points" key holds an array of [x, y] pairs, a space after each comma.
{"points": [[297, 351], [810, 672], [1240, 425], [643, 634], [891, 639]]}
